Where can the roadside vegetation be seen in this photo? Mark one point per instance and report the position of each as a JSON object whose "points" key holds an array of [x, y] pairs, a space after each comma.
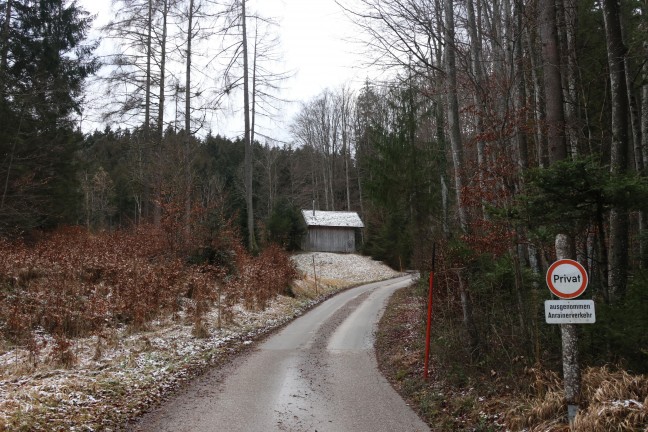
{"points": [[95, 327], [98, 327], [501, 391], [72, 283], [504, 136]]}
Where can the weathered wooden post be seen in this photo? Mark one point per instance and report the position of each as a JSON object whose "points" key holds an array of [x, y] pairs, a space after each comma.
{"points": [[567, 279]]}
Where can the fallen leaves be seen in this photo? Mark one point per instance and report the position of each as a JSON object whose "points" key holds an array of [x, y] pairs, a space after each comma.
{"points": [[122, 371]]}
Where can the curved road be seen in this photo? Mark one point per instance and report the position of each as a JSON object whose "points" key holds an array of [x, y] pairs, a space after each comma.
{"points": [[319, 373]]}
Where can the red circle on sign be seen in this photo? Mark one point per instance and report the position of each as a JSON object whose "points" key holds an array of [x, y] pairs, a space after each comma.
{"points": [[562, 294]]}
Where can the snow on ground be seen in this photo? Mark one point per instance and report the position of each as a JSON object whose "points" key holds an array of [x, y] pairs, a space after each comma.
{"points": [[349, 268], [117, 376]]}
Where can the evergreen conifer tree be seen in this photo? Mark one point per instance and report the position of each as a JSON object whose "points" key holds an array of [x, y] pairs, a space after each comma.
{"points": [[41, 84]]}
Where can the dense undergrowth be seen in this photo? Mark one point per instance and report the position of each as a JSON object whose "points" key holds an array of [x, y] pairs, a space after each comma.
{"points": [[487, 395], [72, 283], [95, 328], [107, 376]]}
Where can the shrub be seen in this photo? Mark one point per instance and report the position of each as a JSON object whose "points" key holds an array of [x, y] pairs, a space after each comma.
{"points": [[73, 283], [261, 278]]}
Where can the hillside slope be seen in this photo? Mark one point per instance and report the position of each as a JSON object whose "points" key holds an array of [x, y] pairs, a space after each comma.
{"points": [[114, 377]]}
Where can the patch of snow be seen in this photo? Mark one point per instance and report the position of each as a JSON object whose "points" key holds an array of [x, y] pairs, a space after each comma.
{"points": [[118, 375], [351, 268], [332, 219]]}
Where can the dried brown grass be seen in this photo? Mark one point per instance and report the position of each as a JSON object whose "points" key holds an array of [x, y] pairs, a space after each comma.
{"points": [[73, 283], [617, 401], [611, 401]]}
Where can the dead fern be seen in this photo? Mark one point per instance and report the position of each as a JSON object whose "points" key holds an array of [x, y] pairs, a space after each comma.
{"points": [[611, 401]]}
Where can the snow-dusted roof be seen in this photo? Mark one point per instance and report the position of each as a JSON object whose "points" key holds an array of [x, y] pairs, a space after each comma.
{"points": [[332, 219]]}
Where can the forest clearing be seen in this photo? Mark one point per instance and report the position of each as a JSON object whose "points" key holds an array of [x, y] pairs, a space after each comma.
{"points": [[487, 141]]}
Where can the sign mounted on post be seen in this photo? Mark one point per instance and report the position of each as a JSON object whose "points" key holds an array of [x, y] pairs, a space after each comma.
{"points": [[570, 312], [567, 279]]}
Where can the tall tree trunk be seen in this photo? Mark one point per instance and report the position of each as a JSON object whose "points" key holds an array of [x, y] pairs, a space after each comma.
{"points": [[520, 91], [187, 119], [254, 81], [569, 335], [347, 185], [552, 80], [248, 159], [453, 111], [634, 114], [149, 57], [156, 181], [457, 160], [163, 42], [522, 156], [4, 54], [476, 69], [346, 145], [360, 193], [558, 152], [542, 152], [3, 89], [10, 162], [571, 79], [618, 248], [644, 147], [160, 117]]}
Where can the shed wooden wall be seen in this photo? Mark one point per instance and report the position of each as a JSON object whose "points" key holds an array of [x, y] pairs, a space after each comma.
{"points": [[329, 239]]}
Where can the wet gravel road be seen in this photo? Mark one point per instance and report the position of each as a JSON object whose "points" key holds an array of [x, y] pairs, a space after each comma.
{"points": [[319, 373]]}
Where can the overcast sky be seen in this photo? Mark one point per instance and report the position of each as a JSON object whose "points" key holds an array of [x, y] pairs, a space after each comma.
{"points": [[314, 46]]}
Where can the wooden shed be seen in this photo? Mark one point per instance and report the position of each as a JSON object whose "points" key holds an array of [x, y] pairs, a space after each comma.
{"points": [[330, 231]]}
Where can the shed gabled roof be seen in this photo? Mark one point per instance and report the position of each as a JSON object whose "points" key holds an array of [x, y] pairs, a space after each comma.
{"points": [[332, 219]]}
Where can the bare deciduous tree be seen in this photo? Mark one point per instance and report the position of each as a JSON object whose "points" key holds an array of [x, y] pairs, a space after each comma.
{"points": [[618, 246]]}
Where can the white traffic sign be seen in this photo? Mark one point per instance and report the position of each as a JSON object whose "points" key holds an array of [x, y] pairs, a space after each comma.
{"points": [[567, 279], [570, 312]]}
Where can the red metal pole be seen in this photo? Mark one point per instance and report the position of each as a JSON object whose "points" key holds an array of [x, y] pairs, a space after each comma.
{"points": [[429, 327]]}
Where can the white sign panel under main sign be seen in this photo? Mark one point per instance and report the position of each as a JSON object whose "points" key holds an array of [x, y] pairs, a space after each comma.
{"points": [[570, 312]]}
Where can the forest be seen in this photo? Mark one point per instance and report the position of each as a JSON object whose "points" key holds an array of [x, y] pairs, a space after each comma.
{"points": [[502, 136]]}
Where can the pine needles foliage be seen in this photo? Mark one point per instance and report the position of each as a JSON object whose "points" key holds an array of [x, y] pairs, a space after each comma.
{"points": [[570, 194]]}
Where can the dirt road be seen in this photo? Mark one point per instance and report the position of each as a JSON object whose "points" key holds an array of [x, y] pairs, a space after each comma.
{"points": [[317, 374]]}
